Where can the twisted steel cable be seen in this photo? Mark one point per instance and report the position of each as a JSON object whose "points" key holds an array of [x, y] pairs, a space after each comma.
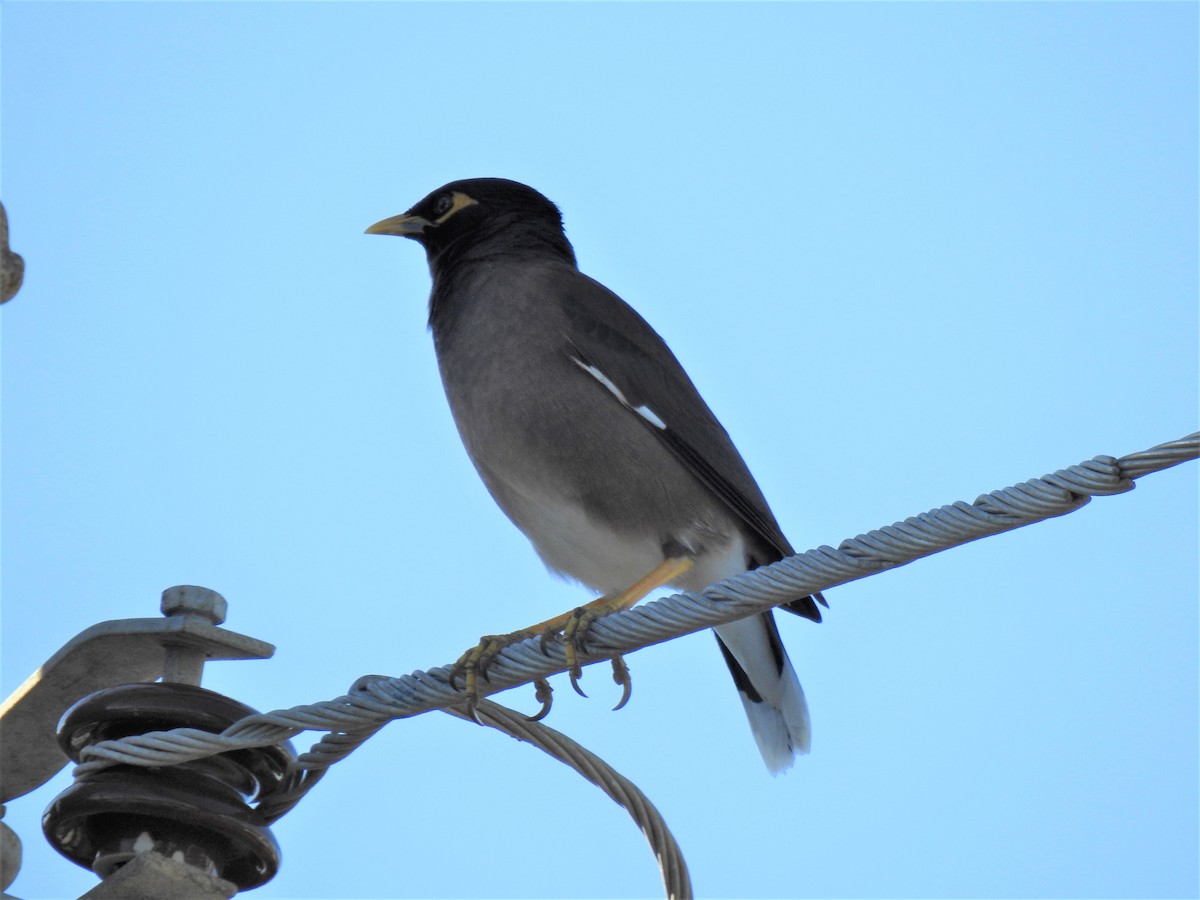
{"points": [[351, 718], [375, 700]]}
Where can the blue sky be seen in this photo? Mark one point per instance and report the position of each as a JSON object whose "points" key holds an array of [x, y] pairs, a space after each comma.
{"points": [[909, 253]]}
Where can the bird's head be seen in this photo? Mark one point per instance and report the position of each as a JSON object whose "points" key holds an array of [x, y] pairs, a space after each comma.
{"points": [[492, 214]]}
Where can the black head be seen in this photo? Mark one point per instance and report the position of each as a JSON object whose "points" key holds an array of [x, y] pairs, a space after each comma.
{"points": [[481, 216]]}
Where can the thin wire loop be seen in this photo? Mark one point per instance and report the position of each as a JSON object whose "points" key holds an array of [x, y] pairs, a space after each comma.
{"points": [[676, 881]]}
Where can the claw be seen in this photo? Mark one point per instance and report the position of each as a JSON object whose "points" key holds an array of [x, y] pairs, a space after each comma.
{"points": [[466, 666], [472, 708], [573, 628], [621, 676], [574, 635], [574, 670], [574, 675], [545, 696]]}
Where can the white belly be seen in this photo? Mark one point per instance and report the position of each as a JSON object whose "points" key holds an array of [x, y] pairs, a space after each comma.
{"points": [[571, 544], [608, 561]]}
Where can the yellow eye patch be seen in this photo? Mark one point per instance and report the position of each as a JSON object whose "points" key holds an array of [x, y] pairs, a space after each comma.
{"points": [[460, 201]]}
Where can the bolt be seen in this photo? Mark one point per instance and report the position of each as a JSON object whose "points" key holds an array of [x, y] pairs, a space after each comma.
{"points": [[184, 664], [189, 600]]}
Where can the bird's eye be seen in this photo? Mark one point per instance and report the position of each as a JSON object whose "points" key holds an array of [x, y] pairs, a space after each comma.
{"points": [[442, 204]]}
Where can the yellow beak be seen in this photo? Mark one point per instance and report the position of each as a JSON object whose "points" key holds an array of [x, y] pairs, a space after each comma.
{"points": [[404, 225]]}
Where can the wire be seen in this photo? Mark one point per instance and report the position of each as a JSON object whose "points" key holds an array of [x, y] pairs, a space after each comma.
{"points": [[373, 701]]}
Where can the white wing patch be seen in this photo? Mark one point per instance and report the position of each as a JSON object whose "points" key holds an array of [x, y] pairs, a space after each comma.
{"points": [[644, 411]]}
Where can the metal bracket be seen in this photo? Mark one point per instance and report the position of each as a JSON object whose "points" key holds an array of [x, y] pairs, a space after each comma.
{"points": [[121, 651]]}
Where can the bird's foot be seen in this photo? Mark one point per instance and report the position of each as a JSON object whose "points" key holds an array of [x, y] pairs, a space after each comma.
{"points": [[574, 631], [474, 664], [573, 627]]}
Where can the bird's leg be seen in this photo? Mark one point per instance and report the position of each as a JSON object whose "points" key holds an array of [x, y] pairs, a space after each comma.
{"points": [[573, 626]]}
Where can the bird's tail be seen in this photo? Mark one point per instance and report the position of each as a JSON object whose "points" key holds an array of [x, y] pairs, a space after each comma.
{"points": [[769, 688]]}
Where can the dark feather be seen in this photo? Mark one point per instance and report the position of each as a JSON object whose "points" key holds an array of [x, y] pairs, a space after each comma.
{"points": [[608, 334]]}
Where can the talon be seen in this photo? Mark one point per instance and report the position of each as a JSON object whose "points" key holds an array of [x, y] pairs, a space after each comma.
{"points": [[545, 696], [471, 689], [573, 628], [473, 709], [466, 666], [575, 674], [574, 670], [621, 676], [572, 640]]}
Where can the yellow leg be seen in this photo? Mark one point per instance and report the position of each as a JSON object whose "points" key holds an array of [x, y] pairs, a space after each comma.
{"points": [[664, 573]]}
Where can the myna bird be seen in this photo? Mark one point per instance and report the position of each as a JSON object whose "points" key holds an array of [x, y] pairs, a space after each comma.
{"points": [[590, 435]]}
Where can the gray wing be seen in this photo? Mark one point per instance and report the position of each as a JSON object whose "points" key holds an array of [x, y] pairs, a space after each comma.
{"points": [[609, 336]]}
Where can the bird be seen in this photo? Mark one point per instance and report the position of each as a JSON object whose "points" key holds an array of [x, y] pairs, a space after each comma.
{"points": [[591, 437]]}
